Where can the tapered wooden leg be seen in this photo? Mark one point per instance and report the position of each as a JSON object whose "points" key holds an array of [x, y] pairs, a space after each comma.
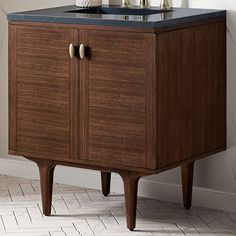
{"points": [[106, 182], [46, 170], [187, 183], [130, 188]]}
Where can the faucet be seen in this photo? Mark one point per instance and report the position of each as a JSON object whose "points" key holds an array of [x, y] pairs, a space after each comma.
{"points": [[144, 3], [125, 4], [164, 4]]}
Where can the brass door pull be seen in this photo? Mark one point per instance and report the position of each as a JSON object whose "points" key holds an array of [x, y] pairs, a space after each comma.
{"points": [[71, 50], [82, 51]]}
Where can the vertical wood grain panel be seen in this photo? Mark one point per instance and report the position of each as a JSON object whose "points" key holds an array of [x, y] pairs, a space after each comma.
{"points": [[119, 96], [191, 104], [45, 90]]}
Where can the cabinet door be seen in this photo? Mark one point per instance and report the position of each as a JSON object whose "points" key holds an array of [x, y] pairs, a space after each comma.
{"points": [[118, 98], [42, 92]]}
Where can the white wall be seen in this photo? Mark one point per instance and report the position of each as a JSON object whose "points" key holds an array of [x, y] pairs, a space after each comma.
{"points": [[217, 172]]}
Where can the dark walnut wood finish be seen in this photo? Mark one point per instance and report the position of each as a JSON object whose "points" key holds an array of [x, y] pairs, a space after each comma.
{"points": [[117, 91], [42, 93], [46, 170], [191, 88], [106, 182], [187, 183], [131, 188], [141, 102]]}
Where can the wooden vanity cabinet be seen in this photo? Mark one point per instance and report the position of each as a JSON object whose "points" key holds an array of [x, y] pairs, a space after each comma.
{"points": [[139, 103]]}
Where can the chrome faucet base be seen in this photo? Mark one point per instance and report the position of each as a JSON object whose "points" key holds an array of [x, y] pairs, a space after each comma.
{"points": [[144, 4], [125, 4], [165, 5]]}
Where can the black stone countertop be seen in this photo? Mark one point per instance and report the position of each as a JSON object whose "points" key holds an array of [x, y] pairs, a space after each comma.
{"points": [[175, 16]]}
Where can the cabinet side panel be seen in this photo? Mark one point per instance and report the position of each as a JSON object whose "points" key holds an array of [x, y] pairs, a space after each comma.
{"points": [[12, 89], [191, 104], [43, 93]]}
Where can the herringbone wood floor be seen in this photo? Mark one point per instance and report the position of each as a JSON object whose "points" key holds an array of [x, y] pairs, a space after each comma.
{"points": [[77, 211]]}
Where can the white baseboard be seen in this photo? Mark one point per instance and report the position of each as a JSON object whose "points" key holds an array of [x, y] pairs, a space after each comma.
{"points": [[147, 188]]}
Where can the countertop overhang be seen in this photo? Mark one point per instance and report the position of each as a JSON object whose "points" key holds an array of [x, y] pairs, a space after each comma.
{"points": [[175, 17]]}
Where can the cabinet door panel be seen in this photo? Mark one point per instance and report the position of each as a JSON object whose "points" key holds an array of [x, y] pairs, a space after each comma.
{"points": [[42, 92], [117, 88]]}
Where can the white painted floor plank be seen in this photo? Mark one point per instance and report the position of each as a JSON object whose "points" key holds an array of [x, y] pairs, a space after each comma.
{"points": [[109, 221], [27, 189], [96, 225], [70, 231], [35, 214], [84, 228], [9, 220]]}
